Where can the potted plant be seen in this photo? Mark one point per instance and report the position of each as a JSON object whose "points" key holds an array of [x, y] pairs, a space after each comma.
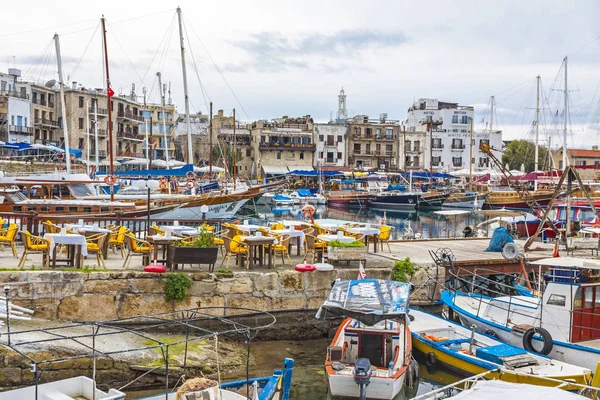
{"points": [[342, 251], [199, 250]]}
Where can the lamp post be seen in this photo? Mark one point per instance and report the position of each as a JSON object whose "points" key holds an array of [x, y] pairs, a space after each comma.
{"points": [[204, 210], [6, 291], [149, 185]]}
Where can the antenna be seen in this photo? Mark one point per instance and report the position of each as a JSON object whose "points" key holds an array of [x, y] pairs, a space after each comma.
{"points": [[170, 100]]}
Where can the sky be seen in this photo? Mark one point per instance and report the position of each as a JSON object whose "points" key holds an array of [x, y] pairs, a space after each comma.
{"points": [[273, 58]]}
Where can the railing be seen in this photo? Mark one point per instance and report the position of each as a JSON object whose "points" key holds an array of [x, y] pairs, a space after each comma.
{"points": [[438, 146], [286, 146], [330, 160], [363, 137], [130, 115], [386, 137], [458, 147], [128, 134], [101, 111], [47, 122], [50, 104], [132, 154], [14, 93], [18, 129], [101, 132], [37, 100]]}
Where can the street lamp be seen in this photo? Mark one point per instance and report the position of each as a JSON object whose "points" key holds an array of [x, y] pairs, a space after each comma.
{"points": [[149, 184], [204, 210]]}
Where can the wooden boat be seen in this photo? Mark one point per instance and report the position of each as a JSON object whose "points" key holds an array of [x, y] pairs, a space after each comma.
{"points": [[467, 200], [396, 201], [511, 199], [470, 353], [432, 200], [371, 353], [563, 323], [348, 197], [79, 387]]}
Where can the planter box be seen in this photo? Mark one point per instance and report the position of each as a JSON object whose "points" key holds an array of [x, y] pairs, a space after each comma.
{"points": [[346, 253], [193, 255]]}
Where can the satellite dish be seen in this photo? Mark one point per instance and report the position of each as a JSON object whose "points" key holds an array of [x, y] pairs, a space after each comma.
{"points": [[50, 83], [512, 252]]}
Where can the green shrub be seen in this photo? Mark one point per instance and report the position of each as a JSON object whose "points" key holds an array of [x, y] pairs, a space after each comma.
{"points": [[403, 270], [337, 243], [204, 240], [176, 286]]}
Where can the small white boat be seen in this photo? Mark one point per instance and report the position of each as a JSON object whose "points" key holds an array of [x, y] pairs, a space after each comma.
{"points": [[79, 387], [370, 356], [280, 199], [301, 196]]}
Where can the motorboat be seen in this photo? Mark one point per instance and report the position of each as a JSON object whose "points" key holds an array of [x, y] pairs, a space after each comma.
{"points": [[370, 355], [470, 353], [280, 199], [396, 201], [564, 323], [78, 387], [302, 196]]}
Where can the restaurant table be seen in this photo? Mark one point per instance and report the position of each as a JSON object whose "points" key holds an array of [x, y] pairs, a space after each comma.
{"points": [[180, 229], [247, 228], [89, 230], [158, 240], [330, 238], [369, 233], [292, 223], [299, 235], [76, 245], [257, 247]]}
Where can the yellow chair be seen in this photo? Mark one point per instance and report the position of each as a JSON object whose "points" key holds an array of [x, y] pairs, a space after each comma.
{"points": [[314, 246], [135, 247], [234, 246], [155, 230], [8, 236], [277, 226], [384, 236], [116, 240], [282, 247], [51, 227], [35, 244], [95, 244]]}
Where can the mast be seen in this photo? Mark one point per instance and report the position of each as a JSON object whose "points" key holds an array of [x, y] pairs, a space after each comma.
{"points": [[147, 144], [164, 127], [234, 150], [87, 137], [190, 153], [564, 155], [471, 156], [210, 135], [404, 147], [492, 100], [430, 154], [96, 153], [109, 109], [62, 103], [537, 123]]}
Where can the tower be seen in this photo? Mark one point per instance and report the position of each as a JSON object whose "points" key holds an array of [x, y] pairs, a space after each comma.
{"points": [[342, 113]]}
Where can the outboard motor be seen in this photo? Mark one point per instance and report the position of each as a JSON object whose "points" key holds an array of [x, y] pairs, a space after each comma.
{"points": [[362, 376]]}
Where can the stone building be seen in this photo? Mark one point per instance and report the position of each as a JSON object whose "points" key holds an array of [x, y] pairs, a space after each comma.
{"points": [[44, 114], [283, 145], [223, 145], [200, 139], [373, 144]]}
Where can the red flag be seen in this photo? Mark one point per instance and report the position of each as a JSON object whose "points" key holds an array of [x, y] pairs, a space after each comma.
{"points": [[111, 92]]}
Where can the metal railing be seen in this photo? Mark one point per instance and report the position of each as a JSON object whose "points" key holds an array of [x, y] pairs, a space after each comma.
{"points": [[130, 115], [101, 111], [14, 93]]}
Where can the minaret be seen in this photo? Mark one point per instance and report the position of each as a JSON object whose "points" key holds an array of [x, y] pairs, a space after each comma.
{"points": [[342, 113]]}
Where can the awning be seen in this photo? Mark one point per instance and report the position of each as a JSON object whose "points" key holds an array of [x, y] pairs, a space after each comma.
{"points": [[304, 173], [300, 168], [275, 169]]}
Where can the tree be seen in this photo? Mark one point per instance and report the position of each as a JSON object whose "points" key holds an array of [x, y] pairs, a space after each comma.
{"points": [[223, 154], [520, 152]]}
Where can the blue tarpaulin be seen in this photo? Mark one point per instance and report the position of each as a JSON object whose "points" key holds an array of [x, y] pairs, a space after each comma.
{"points": [[304, 173], [426, 175], [155, 172], [78, 153], [499, 239], [305, 193]]}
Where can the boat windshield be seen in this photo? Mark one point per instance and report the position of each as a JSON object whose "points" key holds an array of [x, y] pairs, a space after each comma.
{"points": [[16, 196], [82, 190]]}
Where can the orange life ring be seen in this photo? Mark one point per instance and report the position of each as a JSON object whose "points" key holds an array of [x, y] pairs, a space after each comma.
{"points": [[110, 179], [163, 180], [190, 175], [60, 156], [162, 186], [190, 185], [73, 157]]}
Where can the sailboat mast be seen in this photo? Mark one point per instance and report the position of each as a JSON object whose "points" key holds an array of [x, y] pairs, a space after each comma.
{"points": [[234, 150], [431, 155], [190, 153], [471, 157], [537, 124], [164, 128], [109, 110], [564, 155], [87, 125], [492, 100], [210, 135], [62, 102], [96, 153]]}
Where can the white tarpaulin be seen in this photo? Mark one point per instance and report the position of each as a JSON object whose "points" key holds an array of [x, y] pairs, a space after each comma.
{"points": [[500, 390], [203, 170], [275, 169]]}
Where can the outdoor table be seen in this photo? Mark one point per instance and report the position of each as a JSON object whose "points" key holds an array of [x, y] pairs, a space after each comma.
{"points": [[158, 240], [256, 247], [369, 233], [330, 238], [299, 235], [76, 244], [89, 230], [247, 228], [291, 223], [180, 229]]}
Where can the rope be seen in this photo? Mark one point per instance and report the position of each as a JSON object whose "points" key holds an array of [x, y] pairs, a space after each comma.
{"points": [[138, 378], [218, 364]]}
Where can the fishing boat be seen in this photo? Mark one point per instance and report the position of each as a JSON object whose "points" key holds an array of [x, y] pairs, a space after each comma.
{"points": [[274, 387], [432, 200], [79, 387], [280, 199], [470, 353], [370, 355], [563, 324], [349, 192], [467, 200], [395, 201], [511, 199]]}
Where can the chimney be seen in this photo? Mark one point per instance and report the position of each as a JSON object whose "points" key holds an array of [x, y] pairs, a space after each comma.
{"points": [[74, 85], [220, 113], [595, 147]]}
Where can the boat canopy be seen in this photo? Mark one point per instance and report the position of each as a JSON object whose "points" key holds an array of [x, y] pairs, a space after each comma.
{"points": [[154, 172], [567, 262], [500, 390], [367, 300], [305, 193], [298, 172]]}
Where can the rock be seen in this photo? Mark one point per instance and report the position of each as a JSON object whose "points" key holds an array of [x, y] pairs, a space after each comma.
{"points": [[202, 288], [155, 285], [290, 280], [202, 276], [289, 303], [134, 304], [234, 285], [57, 289], [268, 282], [202, 301], [105, 286], [88, 307], [319, 279], [10, 376], [251, 303]]}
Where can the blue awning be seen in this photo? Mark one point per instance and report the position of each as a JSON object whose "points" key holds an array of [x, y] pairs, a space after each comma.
{"points": [[304, 173], [10, 145], [426, 175], [332, 173], [154, 172], [78, 153]]}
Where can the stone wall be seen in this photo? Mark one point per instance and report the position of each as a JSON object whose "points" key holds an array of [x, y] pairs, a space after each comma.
{"points": [[97, 296]]}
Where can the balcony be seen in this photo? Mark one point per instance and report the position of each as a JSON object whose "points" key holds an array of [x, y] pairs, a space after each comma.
{"points": [[458, 147], [132, 154], [102, 112], [128, 135], [14, 93], [356, 152], [330, 160], [38, 101], [389, 154], [438, 146], [20, 129], [46, 122], [101, 133], [334, 144], [363, 137], [386, 137], [129, 116], [286, 146]]}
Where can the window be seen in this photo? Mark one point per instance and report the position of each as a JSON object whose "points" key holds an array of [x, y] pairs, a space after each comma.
{"points": [[437, 143], [378, 148], [389, 133], [279, 155], [455, 119], [557, 300], [417, 145], [340, 139], [436, 161], [330, 140], [321, 154], [378, 133], [25, 121], [80, 123], [80, 101], [320, 138], [339, 155], [582, 162], [73, 209], [457, 161], [81, 144], [588, 297], [248, 152], [407, 145], [357, 148], [464, 120], [12, 119], [560, 166], [388, 148], [457, 144], [302, 156], [368, 149]]}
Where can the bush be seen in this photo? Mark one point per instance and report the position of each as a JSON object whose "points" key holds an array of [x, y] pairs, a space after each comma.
{"points": [[337, 243], [176, 286], [204, 240], [403, 270]]}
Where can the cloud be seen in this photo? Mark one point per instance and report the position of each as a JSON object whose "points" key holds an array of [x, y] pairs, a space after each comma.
{"points": [[273, 51]]}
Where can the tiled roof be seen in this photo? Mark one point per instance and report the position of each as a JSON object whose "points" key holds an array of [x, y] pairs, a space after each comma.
{"points": [[585, 153]]}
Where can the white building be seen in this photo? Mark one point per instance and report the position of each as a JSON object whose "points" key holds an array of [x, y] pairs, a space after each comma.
{"points": [[198, 124], [15, 109], [330, 142], [450, 127]]}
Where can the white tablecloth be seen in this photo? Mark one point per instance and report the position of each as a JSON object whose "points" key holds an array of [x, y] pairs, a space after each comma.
{"points": [[68, 239], [180, 229], [329, 238], [87, 228], [288, 223], [247, 228], [364, 231]]}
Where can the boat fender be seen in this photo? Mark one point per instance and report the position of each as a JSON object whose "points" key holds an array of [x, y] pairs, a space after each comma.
{"points": [[430, 359], [491, 333], [155, 268], [305, 268], [412, 374], [60, 156], [547, 338]]}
